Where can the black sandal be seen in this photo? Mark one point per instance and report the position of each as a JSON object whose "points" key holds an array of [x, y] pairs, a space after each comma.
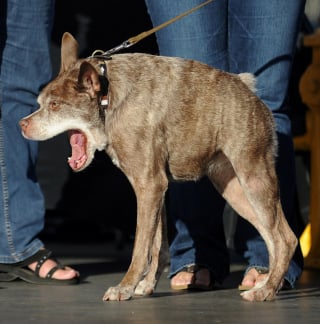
{"points": [[194, 268], [20, 270]]}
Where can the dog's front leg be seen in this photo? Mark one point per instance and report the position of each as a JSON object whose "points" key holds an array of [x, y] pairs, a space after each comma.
{"points": [[159, 259], [150, 199]]}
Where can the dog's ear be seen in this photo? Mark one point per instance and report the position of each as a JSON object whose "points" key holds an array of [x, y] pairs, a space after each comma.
{"points": [[89, 79], [69, 51]]}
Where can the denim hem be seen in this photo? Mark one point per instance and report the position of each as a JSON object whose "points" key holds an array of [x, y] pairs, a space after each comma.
{"points": [[21, 256]]}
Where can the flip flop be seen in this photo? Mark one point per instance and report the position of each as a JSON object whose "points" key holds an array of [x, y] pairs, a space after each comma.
{"points": [[193, 285], [19, 270]]}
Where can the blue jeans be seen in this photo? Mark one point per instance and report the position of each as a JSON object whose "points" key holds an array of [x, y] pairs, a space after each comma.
{"points": [[25, 66], [254, 36]]}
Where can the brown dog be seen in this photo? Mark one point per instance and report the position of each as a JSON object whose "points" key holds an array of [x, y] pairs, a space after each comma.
{"points": [[169, 117]]}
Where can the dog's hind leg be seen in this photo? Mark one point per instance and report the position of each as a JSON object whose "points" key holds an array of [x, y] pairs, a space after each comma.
{"points": [[261, 190], [255, 197], [150, 199]]}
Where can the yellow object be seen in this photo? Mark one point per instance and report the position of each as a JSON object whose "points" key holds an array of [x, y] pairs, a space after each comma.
{"points": [[310, 93], [305, 240]]}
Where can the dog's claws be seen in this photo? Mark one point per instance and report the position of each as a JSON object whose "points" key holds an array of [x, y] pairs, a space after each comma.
{"points": [[259, 294], [118, 293], [144, 288]]}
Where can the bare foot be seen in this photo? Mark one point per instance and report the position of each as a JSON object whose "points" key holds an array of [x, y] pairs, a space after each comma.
{"points": [[251, 278], [185, 279]]}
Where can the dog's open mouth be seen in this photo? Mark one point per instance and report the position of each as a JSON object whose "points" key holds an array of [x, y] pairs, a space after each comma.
{"points": [[79, 156]]}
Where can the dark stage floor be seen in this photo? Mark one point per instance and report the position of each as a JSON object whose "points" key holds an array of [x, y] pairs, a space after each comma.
{"points": [[101, 266]]}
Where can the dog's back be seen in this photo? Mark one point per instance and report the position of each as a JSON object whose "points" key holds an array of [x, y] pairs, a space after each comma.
{"points": [[197, 109]]}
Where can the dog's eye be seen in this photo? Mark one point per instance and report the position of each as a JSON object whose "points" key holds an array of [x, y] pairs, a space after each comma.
{"points": [[54, 105]]}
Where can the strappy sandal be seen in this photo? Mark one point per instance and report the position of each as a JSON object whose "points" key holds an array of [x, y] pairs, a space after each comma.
{"points": [[20, 270], [194, 268]]}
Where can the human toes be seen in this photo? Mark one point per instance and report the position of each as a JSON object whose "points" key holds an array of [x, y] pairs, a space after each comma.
{"points": [[251, 278]]}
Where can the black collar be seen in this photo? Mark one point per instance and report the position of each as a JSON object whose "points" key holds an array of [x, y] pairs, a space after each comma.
{"points": [[103, 99]]}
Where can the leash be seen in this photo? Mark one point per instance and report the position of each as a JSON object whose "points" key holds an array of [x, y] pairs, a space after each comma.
{"points": [[134, 40], [103, 100]]}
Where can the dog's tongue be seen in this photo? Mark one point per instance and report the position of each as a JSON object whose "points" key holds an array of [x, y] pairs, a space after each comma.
{"points": [[78, 145]]}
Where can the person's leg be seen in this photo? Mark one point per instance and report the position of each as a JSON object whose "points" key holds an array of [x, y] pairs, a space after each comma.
{"points": [[196, 208], [262, 40], [25, 68], [199, 36]]}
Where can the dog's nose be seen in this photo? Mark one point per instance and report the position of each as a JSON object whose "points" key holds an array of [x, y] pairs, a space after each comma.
{"points": [[23, 124]]}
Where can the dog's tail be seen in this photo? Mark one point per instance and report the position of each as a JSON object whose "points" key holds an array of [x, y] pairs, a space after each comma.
{"points": [[249, 80]]}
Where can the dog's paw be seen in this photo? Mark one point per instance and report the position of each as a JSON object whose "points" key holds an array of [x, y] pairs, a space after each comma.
{"points": [[144, 288], [118, 293], [259, 294]]}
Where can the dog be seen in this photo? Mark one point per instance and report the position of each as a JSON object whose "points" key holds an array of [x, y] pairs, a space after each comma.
{"points": [[161, 119]]}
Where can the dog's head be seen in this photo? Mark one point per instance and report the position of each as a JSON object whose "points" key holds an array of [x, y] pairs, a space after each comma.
{"points": [[70, 103]]}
